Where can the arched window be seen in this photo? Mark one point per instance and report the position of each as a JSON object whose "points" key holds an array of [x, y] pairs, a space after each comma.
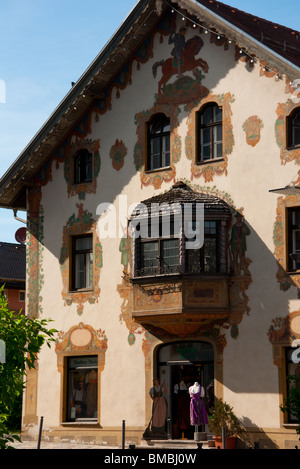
{"points": [[158, 142], [293, 129], [209, 133]]}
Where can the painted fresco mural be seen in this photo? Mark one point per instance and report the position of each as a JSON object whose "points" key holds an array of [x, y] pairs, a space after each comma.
{"points": [[156, 178], [180, 92], [252, 127], [283, 111], [82, 189], [285, 279], [183, 59], [81, 223], [135, 297], [209, 170], [34, 252], [117, 154]]}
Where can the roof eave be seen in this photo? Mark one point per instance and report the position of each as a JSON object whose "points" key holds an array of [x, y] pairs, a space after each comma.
{"points": [[68, 102], [30, 155], [242, 38]]}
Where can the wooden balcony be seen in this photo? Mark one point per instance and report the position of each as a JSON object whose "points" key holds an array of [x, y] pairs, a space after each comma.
{"points": [[180, 305]]}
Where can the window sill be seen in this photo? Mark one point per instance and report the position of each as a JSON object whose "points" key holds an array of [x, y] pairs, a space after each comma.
{"points": [[75, 184], [210, 161], [143, 278], [165, 168], [81, 423], [81, 290], [290, 425], [293, 147]]}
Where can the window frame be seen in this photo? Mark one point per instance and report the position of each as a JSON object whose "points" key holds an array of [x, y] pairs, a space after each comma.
{"points": [[76, 252], [291, 228], [162, 136], [22, 296], [211, 126], [215, 236], [287, 350], [290, 144], [160, 240], [182, 266], [68, 395], [83, 152]]}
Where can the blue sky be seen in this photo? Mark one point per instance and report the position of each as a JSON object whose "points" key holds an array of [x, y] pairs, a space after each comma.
{"points": [[45, 45]]}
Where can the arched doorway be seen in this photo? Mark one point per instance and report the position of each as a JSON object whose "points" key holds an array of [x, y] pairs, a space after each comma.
{"points": [[179, 365]]}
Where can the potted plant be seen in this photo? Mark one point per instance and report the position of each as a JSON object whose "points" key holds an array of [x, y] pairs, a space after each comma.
{"points": [[222, 416]]}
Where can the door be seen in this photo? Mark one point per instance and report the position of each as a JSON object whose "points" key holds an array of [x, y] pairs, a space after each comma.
{"points": [[180, 365]]}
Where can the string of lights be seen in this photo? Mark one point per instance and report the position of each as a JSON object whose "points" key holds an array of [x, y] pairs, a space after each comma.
{"points": [[204, 28], [195, 24]]}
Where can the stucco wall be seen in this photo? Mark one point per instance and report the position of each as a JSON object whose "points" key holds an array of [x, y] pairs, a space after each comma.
{"points": [[250, 376]]}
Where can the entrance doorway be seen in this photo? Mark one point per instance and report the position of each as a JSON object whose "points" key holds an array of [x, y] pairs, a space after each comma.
{"points": [[180, 365]]}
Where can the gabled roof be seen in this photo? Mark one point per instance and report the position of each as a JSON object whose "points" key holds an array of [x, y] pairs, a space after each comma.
{"points": [[247, 31], [12, 263], [281, 39]]}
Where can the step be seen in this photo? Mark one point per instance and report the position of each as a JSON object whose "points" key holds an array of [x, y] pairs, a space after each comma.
{"points": [[175, 444]]}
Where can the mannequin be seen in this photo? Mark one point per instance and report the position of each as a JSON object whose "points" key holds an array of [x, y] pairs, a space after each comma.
{"points": [[198, 413], [181, 391], [159, 407]]}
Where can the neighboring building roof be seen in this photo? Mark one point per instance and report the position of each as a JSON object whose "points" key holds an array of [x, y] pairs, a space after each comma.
{"points": [[281, 39], [254, 35], [12, 263]]}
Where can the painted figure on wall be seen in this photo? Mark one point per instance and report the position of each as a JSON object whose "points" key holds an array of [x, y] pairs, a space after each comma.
{"points": [[125, 249], [159, 407], [239, 246], [178, 39], [183, 60]]}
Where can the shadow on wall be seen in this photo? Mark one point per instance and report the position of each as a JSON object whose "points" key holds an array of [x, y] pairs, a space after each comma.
{"points": [[114, 173], [255, 437]]}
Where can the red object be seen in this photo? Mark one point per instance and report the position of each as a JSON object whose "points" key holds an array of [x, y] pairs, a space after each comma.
{"points": [[20, 235]]}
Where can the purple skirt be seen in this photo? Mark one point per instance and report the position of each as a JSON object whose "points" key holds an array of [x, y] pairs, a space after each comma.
{"points": [[198, 412]]}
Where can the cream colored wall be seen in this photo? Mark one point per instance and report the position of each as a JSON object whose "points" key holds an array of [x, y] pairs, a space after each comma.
{"points": [[252, 171]]}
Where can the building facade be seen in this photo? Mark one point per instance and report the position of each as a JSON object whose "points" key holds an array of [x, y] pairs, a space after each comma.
{"points": [[13, 274], [186, 107]]}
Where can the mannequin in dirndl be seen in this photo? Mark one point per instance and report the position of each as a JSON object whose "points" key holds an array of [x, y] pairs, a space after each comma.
{"points": [[198, 413]]}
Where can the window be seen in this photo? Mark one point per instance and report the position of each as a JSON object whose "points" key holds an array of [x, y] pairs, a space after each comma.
{"points": [[293, 129], [82, 388], [21, 295], [292, 369], [293, 242], [82, 261], [83, 162], [162, 255], [158, 141], [206, 258], [210, 133]]}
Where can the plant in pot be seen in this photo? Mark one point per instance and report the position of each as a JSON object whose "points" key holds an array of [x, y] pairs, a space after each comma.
{"points": [[222, 416]]}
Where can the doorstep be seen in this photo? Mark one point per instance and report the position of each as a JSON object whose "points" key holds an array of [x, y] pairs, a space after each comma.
{"points": [[174, 444]]}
